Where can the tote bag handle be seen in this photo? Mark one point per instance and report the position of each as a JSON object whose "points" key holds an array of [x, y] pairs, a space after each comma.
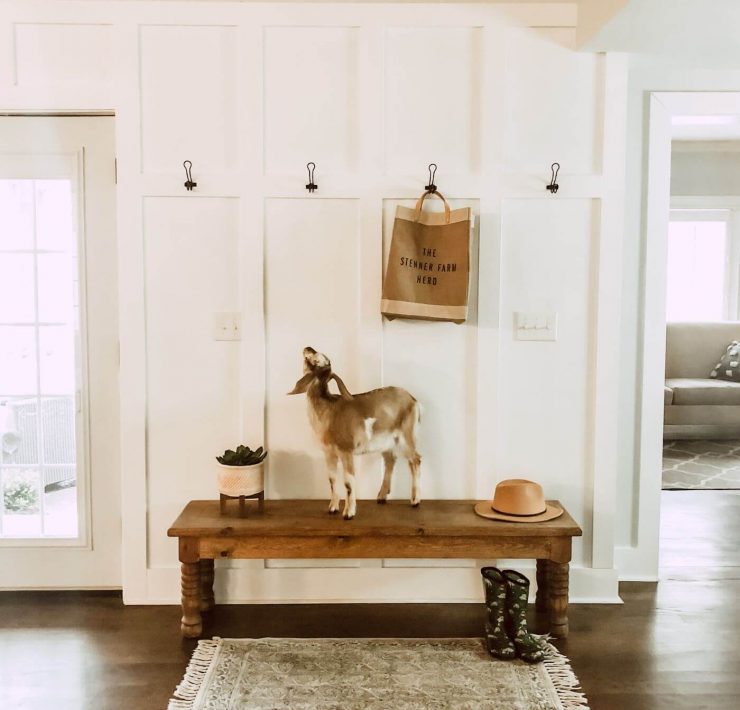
{"points": [[420, 204]]}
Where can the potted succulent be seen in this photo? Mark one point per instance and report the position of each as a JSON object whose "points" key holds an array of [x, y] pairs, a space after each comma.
{"points": [[241, 472]]}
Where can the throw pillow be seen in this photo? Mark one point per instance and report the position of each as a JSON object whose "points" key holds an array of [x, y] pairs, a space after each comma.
{"points": [[728, 368]]}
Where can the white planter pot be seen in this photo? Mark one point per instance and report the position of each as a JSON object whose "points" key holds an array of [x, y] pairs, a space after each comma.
{"points": [[241, 480]]}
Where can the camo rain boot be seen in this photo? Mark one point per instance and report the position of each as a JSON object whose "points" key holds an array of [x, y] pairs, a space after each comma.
{"points": [[498, 643], [528, 647]]}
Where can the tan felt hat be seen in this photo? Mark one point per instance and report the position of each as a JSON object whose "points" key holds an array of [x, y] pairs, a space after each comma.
{"points": [[518, 501]]}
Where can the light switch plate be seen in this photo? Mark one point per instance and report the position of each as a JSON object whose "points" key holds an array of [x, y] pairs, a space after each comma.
{"points": [[535, 326], [227, 326]]}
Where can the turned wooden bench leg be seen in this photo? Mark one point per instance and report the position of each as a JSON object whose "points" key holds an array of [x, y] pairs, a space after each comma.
{"points": [[191, 623], [542, 600], [558, 585], [206, 585]]}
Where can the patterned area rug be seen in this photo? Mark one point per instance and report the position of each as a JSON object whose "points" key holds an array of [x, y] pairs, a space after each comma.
{"points": [[704, 465], [370, 674]]}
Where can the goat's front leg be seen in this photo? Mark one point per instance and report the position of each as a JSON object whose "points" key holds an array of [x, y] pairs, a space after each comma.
{"points": [[415, 466], [389, 461], [350, 504], [332, 461]]}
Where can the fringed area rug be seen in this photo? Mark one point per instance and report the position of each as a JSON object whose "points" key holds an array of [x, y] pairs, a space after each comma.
{"points": [[371, 674]]}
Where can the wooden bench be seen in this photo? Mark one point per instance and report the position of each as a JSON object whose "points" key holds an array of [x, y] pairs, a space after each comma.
{"points": [[296, 529]]}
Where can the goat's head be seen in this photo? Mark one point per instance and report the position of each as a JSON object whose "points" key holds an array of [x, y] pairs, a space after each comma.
{"points": [[317, 368]]}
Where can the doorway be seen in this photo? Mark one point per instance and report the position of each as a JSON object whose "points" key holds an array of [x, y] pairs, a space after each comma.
{"points": [[59, 429], [690, 407]]}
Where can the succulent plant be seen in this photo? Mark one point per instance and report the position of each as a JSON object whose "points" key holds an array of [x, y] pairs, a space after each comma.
{"points": [[243, 456]]}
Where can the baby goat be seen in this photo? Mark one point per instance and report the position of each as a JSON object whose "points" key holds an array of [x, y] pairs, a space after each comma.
{"points": [[383, 420]]}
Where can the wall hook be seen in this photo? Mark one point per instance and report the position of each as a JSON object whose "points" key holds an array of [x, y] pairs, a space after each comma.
{"points": [[431, 187], [553, 186], [312, 186], [189, 184]]}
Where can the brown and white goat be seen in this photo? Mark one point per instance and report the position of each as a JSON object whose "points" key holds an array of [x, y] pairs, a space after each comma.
{"points": [[383, 420]]}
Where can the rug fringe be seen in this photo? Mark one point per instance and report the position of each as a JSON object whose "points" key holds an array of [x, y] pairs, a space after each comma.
{"points": [[564, 679], [187, 691]]}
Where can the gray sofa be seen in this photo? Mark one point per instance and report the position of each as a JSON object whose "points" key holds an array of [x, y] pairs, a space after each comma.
{"points": [[697, 407]]}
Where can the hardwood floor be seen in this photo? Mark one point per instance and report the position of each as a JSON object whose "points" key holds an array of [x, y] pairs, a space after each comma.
{"points": [[673, 645]]}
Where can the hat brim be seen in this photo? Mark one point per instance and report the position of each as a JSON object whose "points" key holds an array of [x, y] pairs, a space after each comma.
{"points": [[483, 508]]}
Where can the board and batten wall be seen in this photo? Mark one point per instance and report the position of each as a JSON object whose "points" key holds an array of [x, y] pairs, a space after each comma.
{"points": [[250, 93]]}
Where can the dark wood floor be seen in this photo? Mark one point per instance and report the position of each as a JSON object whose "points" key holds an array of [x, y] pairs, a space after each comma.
{"points": [[675, 645]]}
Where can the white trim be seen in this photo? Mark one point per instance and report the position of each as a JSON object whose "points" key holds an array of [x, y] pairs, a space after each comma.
{"points": [[640, 560], [650, 443], [605, 357]]}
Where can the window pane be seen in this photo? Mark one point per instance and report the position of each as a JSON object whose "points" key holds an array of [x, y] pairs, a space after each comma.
{"points": [[17, 360], [57, 286], [16, 288], [60, 502], [21, 502], [696, 271], [54, 215], [58, 426], [16, 214], [19, 438], [57, 359]]}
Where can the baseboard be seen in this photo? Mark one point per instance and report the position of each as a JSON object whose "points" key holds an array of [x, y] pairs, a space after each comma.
{"points": [[252, 583], [634, 565]]}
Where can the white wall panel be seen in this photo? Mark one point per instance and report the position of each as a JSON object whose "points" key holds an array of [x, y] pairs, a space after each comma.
{"points": [[548, 253], [312, 287], [311, 88], [553, 102], [188, 98], [432, 98], [437, 363], [63, 54], [191, 249]]}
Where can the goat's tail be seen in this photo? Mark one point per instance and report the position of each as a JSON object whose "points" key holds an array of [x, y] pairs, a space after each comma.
{"points": [[417, 417]]}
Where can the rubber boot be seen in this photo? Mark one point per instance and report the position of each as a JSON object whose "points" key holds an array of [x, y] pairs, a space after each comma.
{"points": [[498, 643], [528, 648]]}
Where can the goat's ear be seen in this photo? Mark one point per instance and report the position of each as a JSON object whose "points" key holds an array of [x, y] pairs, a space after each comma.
{"points": [[303, 384], [346, 394]]}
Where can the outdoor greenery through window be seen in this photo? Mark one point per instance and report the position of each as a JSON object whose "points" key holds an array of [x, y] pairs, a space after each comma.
{"points": [[39, 326]]}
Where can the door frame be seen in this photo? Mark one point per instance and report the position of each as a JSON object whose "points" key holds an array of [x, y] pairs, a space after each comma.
{"points": [[84, 542], [663, 105]]}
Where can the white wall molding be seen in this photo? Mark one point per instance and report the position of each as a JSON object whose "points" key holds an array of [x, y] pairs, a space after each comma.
{"points": [[499, 50]]}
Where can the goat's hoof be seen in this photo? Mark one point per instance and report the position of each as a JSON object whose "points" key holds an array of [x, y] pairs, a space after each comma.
{"points": [[415, 505], [348, 517], [382, 501], [333, 512]]}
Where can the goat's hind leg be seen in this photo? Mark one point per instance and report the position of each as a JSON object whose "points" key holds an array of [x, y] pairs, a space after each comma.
{"points": [[332, 461], [389, 461]]}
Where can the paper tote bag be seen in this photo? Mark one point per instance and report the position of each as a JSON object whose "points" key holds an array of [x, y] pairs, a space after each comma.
{"points": [[428, 264]]}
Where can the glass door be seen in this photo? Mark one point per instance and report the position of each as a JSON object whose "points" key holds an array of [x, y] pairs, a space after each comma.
{"points": [[59, 425], [40, 371]]}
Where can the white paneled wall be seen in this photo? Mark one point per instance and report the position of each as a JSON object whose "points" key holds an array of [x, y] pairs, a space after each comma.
{"points": [[188, 97], [372, 93], [312, 277], [553, 101], [63, 54], [311, 91], [438, 363], [432, 98], [191, 267]]}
